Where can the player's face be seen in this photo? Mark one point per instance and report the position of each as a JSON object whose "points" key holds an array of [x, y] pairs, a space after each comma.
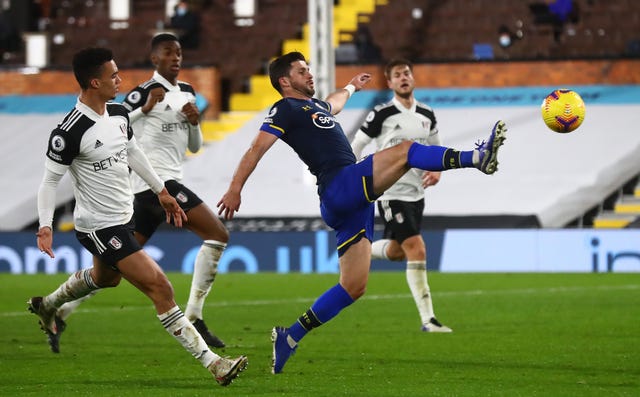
{"points": [[109, 81], [300, 79], [167, 59], [401, 81]]}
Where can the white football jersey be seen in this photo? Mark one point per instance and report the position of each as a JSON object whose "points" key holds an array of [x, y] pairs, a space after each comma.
{"points": [[94, 147], [163, 132], [391, 123]]}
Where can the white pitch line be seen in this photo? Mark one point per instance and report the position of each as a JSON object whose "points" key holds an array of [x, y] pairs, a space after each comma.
{"points": [[524, 291]]}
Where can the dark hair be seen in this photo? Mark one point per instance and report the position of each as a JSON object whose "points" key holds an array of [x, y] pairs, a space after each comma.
{"points": [[281, 66], [396, 62], [87, 64], [162, 38]]}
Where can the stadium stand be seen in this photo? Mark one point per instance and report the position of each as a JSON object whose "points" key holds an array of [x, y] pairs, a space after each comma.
{"points": [[626, 208], [422, 30]]}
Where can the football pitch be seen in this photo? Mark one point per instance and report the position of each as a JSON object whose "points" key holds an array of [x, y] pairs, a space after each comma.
{"points": [[514, 335]]}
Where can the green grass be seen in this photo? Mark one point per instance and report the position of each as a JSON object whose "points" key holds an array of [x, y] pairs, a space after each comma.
{"points": [[514, 335]]}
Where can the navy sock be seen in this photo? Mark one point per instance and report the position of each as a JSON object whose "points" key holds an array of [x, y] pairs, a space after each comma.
{"points": [[438, 158], [326, 307]]}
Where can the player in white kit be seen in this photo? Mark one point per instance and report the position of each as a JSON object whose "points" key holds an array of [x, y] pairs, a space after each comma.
{"points": [[165, 120], [401, 206], [96, 145]]}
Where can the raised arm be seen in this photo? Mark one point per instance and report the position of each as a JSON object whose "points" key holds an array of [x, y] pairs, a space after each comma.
{"points": [[230, 201], [339, 98]]}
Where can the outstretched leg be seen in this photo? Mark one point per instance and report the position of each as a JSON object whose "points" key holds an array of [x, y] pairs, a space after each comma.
{"points": [[392, 163]]}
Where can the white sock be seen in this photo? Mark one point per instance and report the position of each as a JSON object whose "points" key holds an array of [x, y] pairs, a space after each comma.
{"points": [[77, 285], [66, 309], [417, 280], [204, 274], [475, 157], [184, 332], [379, 249]]}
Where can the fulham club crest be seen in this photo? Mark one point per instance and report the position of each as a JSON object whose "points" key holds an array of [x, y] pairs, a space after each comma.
{"points": [[115, 243]]}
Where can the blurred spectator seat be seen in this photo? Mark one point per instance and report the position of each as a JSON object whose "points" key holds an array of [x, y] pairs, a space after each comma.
{"points": [[482, 51]]}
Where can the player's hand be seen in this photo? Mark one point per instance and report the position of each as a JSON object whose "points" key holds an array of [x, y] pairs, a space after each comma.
{"points": [[172, 208], [430, 178], [191, 112], [360, 80], [45, 240], [155, 95], [228, 204]]}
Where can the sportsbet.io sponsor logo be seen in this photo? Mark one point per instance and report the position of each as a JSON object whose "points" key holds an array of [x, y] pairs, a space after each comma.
{"points": [[322, 120]]}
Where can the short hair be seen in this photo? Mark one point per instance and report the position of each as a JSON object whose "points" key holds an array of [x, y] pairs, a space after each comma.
{"points": [[281, 67], [162, 38], [87, 64], [396, 62]]}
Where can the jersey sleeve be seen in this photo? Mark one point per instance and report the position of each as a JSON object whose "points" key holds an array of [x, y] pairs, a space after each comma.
{"points": [[277, 121], [372, 125], [63, 146], [135, 99], [324, 104], [434, 136], [186, 87]]}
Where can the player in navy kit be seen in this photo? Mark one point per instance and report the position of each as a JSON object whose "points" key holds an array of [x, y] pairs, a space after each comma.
{"points": [[165, 120], [347, 189], [95, 144]]}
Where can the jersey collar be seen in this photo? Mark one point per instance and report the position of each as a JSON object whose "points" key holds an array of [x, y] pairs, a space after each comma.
{"points": [[90, 113], [401, 107], [170, 87]]}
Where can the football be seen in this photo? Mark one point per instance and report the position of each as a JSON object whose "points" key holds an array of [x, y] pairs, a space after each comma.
{"points": [[563, 110]]}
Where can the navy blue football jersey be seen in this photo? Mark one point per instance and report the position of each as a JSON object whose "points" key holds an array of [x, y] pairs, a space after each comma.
{"points": [[310, 129]]}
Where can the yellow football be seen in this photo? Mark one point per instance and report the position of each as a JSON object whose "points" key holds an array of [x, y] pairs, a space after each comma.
{"points": [[563, 110]]}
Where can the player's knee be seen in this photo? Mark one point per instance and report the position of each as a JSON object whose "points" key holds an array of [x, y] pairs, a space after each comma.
{"points": [[221, 234], [356, 291], [395, 254], [359, 293], [109, 282], [414, 247], [404, 146], [217, 232]]}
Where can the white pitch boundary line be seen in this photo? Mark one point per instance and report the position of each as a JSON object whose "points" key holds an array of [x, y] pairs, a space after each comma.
{"points": [[523, 291]]}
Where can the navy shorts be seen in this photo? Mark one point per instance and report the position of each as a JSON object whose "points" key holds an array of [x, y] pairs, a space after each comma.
{"points": [[148, 214], [111, 244], [402, 219], [347, 204]]}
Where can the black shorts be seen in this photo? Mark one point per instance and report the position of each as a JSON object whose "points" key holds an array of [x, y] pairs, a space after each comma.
{"points": [[110, 245], [148, 214], [402, 219]]}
